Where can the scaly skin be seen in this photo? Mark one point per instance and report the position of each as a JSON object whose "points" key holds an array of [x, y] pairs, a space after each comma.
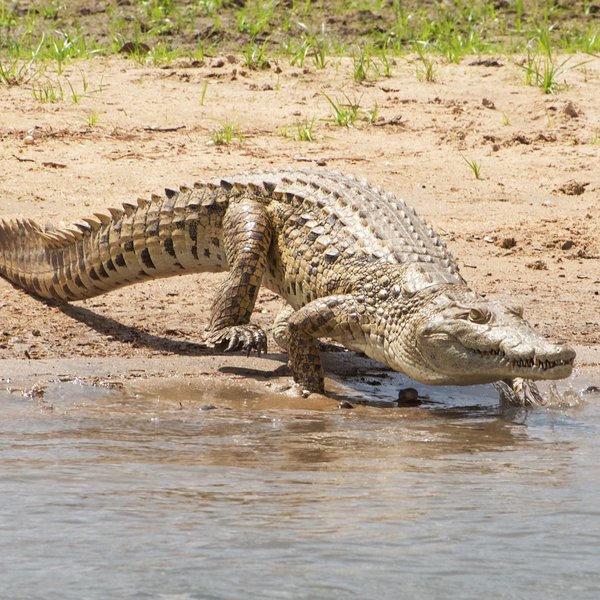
{"points": [[352, 264]]}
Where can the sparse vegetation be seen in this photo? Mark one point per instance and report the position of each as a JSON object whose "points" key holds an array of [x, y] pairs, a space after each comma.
{"points": [[372, 32], [541, 67], [255, 56], [314, 46], [92, 119], [225, 134], [305, 130], [48, 91], [425, 65], [474, 166], [372, 114], [367, 62], [14, 71], [385, 68], [344, 113], [203, 93], [451, 30], [362, 64]]}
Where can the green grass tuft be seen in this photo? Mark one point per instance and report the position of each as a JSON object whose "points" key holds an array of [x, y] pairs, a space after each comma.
{"points": [[305, 130], [92, 119], [474, 166], [225, 134], [541, 67], [344, 114], [255, 56], [425, 68]]}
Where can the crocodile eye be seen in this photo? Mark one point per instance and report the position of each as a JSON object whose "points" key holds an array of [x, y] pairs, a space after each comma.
{"points": [[480, 316]]}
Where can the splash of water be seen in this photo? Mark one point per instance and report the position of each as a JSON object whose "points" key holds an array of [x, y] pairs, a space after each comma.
{"points": [[525, 393]]}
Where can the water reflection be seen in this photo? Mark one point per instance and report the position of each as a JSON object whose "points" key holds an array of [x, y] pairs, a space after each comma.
{"points": [[145, 495], [108, 426]]}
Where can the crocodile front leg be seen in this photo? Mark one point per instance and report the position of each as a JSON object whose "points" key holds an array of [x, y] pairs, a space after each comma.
{"points": [[280, 329], [247, 234], [337, 317]]}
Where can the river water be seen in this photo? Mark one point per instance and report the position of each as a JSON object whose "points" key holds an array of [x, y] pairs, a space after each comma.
{"points": [[114, 494]]}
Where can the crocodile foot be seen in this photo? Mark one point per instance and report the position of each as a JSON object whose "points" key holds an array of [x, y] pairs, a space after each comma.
{"points": [[239, 337], [520, 392]]}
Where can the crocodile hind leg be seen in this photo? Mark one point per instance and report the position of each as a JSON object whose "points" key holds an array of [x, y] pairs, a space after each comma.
{"points": [[333, 316], [247, 232]]}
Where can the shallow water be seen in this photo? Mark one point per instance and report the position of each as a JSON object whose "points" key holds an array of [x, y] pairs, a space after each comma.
{"points": [[107, 494]]}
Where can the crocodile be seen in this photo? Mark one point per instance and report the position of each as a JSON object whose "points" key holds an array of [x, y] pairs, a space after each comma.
{"points": [[352, 263]]}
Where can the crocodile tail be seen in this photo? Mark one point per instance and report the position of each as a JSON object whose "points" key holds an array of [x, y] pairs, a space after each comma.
{"points": [[20, 252], [151, 239]]}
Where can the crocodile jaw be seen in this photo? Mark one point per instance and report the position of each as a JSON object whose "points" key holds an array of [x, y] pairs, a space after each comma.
{"points": [[451, 349], [458, 364]]}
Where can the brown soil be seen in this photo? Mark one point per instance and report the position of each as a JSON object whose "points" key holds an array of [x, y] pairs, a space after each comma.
{"points": [[526, 232]]}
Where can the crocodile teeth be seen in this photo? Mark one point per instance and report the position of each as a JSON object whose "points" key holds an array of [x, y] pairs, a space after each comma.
{"points": [[544, 365], [523, 363]]}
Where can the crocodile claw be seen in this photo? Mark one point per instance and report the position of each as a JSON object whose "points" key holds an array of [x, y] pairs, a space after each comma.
{"points": [[240, 337]]}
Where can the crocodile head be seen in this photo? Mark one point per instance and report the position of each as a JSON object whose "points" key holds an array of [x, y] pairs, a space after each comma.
{"points": [[460, 338]]}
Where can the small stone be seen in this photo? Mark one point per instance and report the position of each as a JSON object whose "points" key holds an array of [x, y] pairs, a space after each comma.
{"points": [[207, 407], [573, 188], [134, 48], [488, 104], [490, 62], [28, 140], [567, 245], [537, 265], [508, 242], [344, 404], [408, 397], [570, 110], [521, 138]]}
